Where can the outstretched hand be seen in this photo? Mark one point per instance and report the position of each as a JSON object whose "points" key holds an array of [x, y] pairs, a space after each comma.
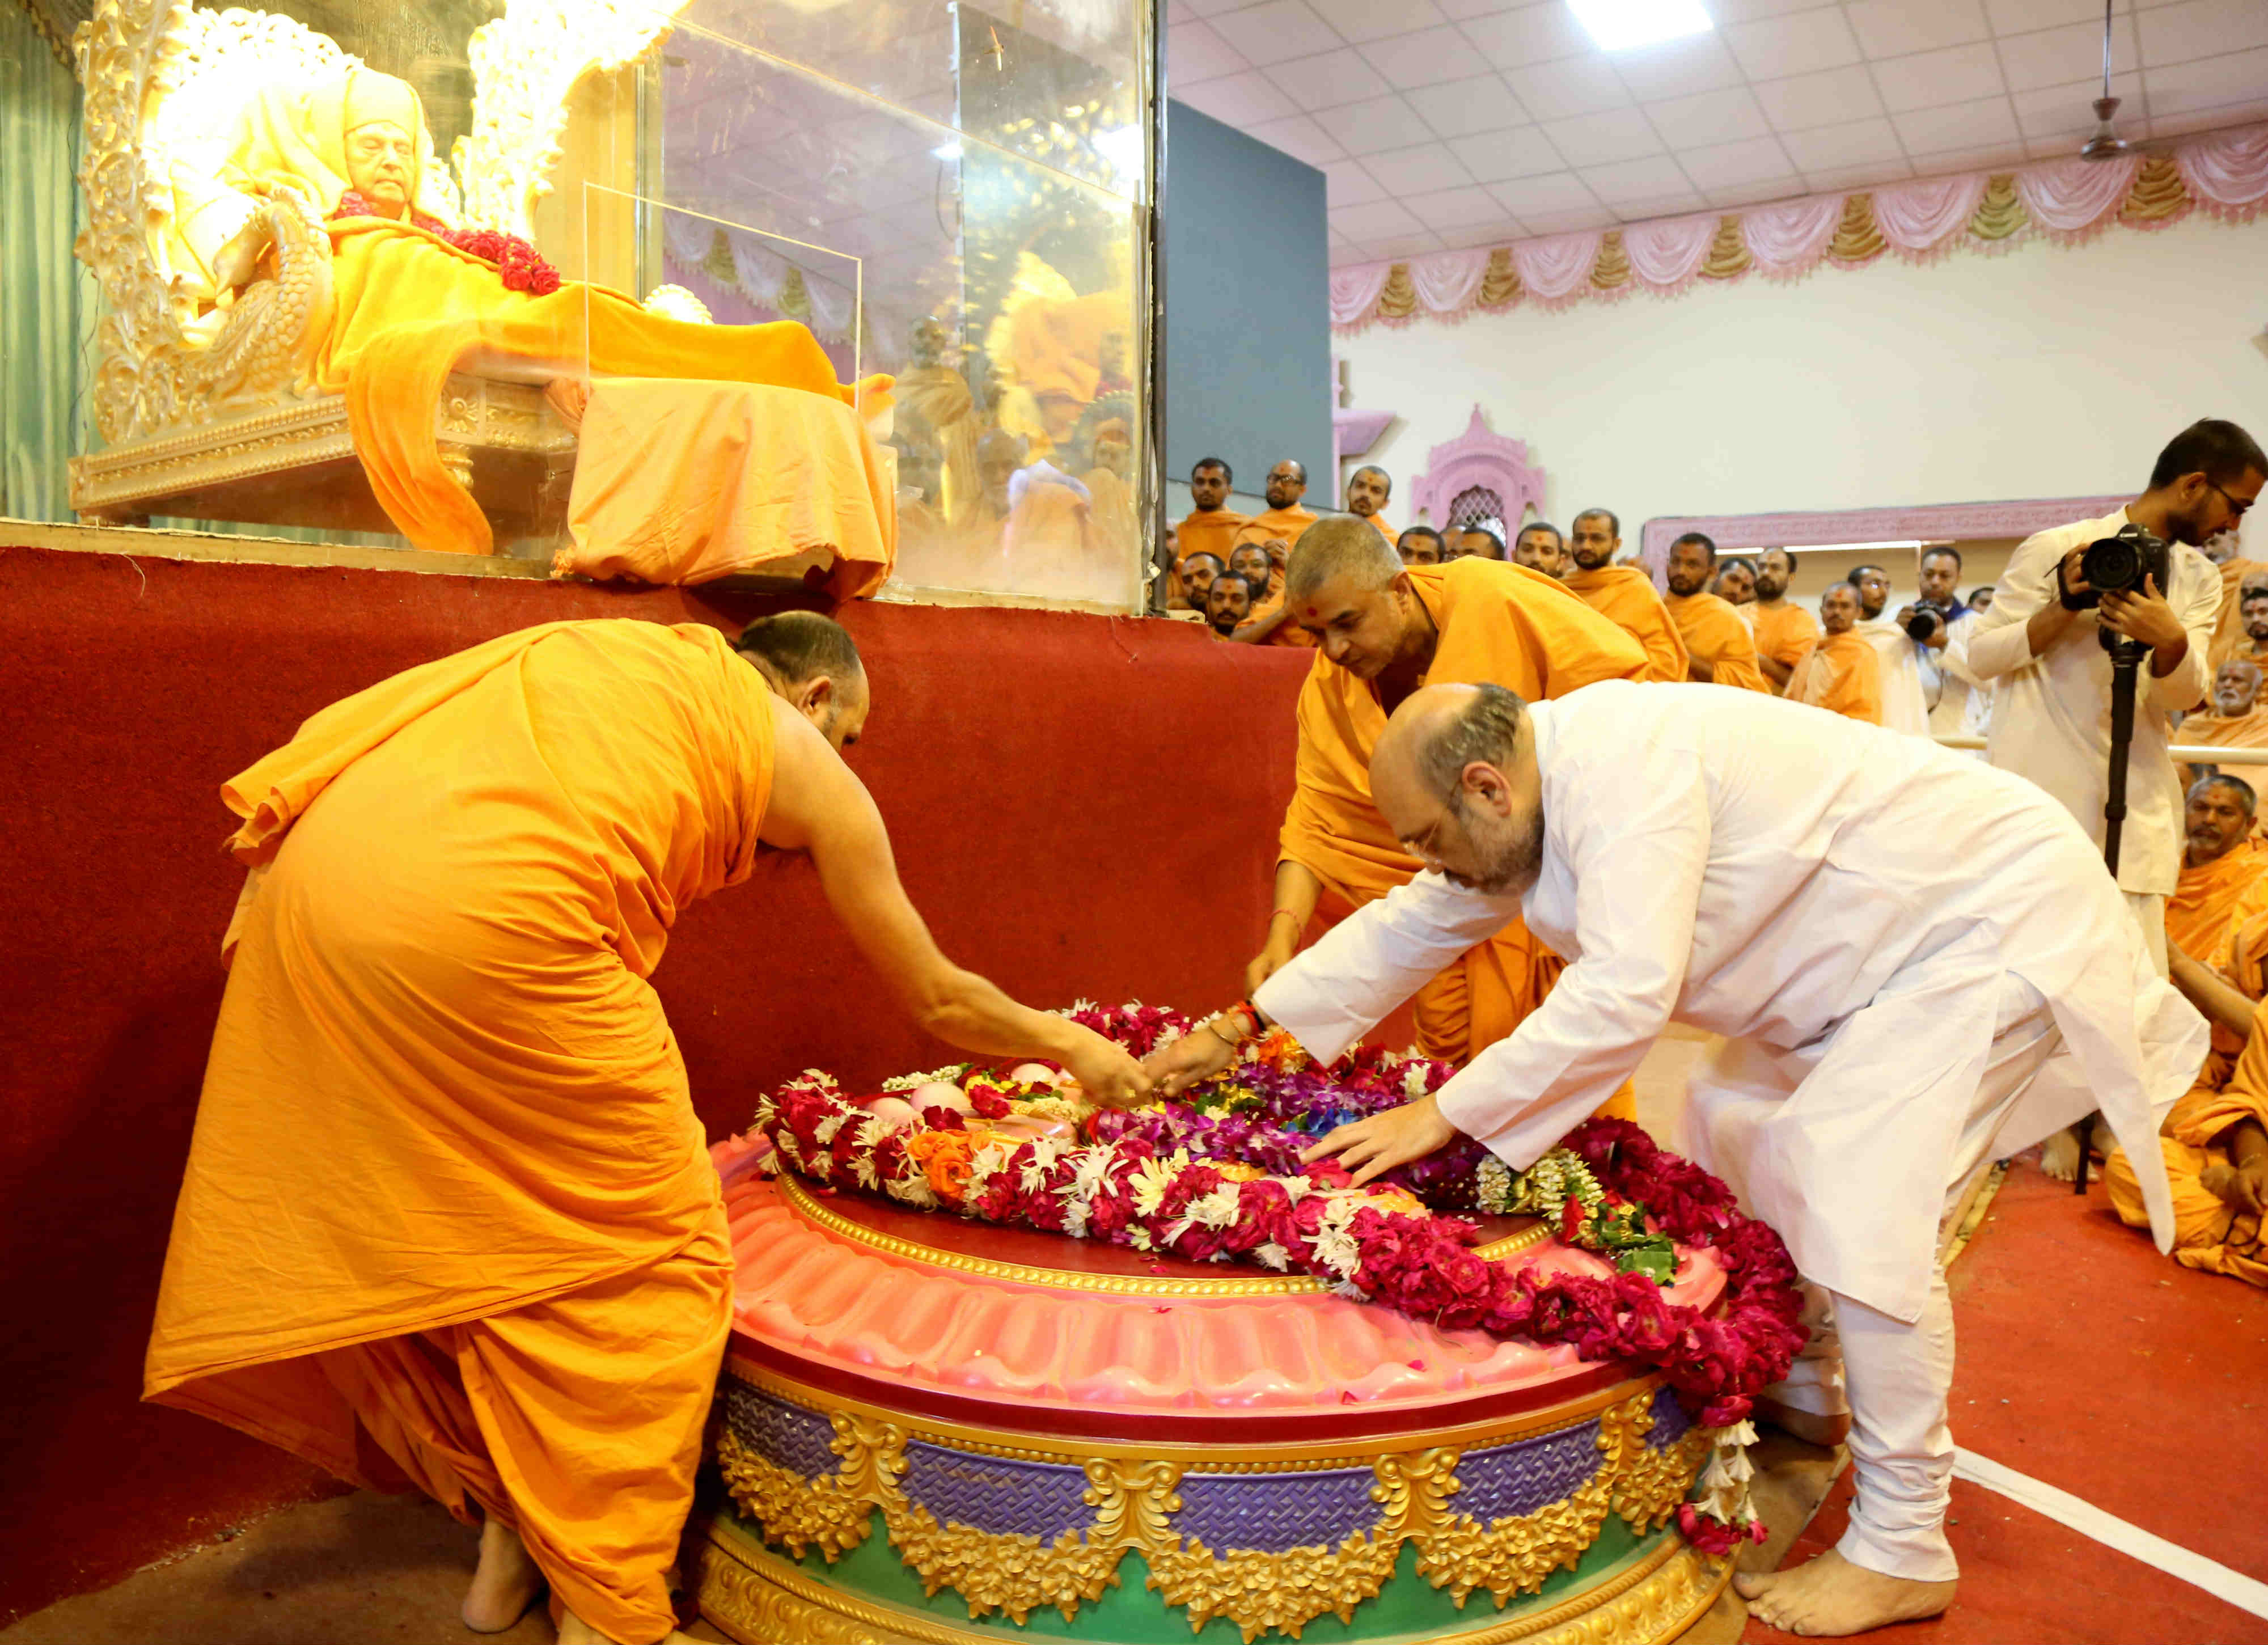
{"points": [[1377, 1144], [1106, 1072], [1196, 1055]]}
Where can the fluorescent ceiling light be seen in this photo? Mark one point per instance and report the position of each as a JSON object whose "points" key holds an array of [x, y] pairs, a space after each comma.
{"points": [[1619, 25]]}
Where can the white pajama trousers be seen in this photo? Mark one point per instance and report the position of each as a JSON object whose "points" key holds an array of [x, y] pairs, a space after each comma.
{"points": [[1895, 1378]]}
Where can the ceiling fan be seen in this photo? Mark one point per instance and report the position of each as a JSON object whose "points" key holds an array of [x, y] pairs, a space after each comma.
{"points": [[2106, 144]]}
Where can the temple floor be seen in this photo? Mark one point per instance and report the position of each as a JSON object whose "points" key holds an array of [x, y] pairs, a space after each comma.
{"points": [[2163, 1434]]}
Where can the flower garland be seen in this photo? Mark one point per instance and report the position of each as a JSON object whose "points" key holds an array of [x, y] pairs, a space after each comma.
{"points": [[517, 263], [1143, 1186]]}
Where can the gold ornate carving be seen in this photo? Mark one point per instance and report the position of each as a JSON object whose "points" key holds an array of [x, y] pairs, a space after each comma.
{"points": [[524, 65], [1857, 238], [1500, 280], [760, 1599], [1612, 270], [2000, 213], [1728, 253], [834, 1514], [2158, 193], [1652, 1482]]}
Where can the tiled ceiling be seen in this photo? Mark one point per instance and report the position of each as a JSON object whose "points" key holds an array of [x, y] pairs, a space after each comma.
{"points": [[1446, 123]]}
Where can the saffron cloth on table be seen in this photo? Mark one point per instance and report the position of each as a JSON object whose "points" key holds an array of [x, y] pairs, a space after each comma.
{"points": [[679, 482], [1783, 631], [448, 1214], [1840, 672], [1713, 633], [1500, 623], [1625, 596], [2209, 903]]}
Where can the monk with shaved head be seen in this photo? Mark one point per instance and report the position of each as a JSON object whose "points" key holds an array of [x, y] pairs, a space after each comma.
{"points": [[1385, 630], [1896, 945], [1367, 493], [1624, 594]]}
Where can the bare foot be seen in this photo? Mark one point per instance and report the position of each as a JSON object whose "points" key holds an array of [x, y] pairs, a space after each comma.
{"points": [[1828, 1595], [504, 1585], [2218, 1178], [2060, 1156], [574, 1631]]}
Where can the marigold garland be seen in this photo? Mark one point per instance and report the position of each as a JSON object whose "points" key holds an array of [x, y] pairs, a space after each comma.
{"points": [[1215, 1177]]}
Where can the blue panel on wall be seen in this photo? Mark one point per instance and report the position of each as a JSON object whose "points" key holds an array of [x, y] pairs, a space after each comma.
{"points": [[1247, 347]]}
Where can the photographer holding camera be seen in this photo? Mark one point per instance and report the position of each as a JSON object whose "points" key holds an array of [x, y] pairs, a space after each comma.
{"points": [[1938, 624], [2133, 582]]}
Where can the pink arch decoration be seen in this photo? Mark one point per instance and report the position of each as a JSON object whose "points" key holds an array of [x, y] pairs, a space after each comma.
{"points": [[1477, 457]]}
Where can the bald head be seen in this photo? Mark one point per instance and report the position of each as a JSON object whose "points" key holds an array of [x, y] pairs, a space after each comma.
{"points": [[811, 663], [1340, 548], [1454, 776], [2217, 819]]}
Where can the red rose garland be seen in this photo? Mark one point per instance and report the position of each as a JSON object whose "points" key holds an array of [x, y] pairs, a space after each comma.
{"points": [[517, 263]]}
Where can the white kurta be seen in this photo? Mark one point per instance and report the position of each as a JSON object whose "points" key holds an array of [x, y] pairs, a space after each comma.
{"points": [[1903, 709], [2051, 719], [1945, 680], [1800, 882]]}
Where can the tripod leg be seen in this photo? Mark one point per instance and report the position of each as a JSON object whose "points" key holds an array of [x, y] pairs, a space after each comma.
{"points": [[2081, 1133]]}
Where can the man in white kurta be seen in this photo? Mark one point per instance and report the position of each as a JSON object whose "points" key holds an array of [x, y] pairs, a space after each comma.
{"points": [[1892, 941], [1905, 706]]}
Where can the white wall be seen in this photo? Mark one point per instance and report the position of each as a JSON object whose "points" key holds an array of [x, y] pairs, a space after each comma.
{"points": [[2047, 371]]}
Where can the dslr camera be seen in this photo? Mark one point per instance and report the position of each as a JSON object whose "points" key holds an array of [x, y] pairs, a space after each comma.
{"points": [[2117, 565], [1925, 622]]}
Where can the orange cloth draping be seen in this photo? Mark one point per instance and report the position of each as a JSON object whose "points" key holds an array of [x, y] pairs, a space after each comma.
{"points": [[1210, 532], [2242, 731], [1713, 633], [444, 1119], [1286, 523], [1783, 631], [408, 309], [1285, 633], [2209, 903], [1496, 621], [1841, 674], [1625, 596], [1378, 524], [679, 482]]}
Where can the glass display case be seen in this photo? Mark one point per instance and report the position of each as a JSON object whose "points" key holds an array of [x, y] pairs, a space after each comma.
{"points": [[953, 197]]}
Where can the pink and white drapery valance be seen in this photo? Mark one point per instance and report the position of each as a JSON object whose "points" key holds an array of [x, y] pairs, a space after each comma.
{"points": [[2226, 174]]}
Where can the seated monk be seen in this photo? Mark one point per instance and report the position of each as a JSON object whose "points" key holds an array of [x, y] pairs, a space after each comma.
{"points": [[1262, 564], [2215, 1140], [1284, 518], [2235, 720], [1719, 646], [2224, 879], [1838, 671], [449, 1219], [1623, 595], [1367, 490], [1196, 572], [409, 306], [1422, 545]]}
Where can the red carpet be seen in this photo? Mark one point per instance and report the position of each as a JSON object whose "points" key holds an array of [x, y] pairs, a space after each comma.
{"points": [[2095, 1365]]}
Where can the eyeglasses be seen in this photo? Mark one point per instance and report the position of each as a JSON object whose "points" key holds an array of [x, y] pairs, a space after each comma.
{"points": [[2234, 507], [1422, 847]]}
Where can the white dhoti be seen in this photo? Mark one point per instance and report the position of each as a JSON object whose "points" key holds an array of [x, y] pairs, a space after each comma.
{"points": [[2149, 910], [1895, 1375]]}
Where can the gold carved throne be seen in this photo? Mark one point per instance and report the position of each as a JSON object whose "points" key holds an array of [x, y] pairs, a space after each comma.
{"points": [[212, 415]]}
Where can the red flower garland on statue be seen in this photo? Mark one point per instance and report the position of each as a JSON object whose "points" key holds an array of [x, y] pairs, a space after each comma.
{"points": [[517, 263]]}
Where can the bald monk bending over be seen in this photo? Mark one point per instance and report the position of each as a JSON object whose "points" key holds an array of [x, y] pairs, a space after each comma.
{"points": [[1623, 594], [449, 1220], [1366, 494], [1719, 647], [1385, 630], [2224, 879], [1918, 964]]}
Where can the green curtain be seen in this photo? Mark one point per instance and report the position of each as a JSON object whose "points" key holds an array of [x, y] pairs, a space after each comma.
{"points": [[46, 298]]}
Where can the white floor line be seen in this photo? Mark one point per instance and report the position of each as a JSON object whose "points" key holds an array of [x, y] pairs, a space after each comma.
{"points": [[2114, 1532]]}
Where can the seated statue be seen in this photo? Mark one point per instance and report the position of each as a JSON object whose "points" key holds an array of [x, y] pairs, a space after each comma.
{"points": [[413, 298]]}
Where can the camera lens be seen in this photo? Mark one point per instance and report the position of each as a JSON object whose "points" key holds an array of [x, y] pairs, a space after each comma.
{"points": [[2111, 565], [1920, 626]]}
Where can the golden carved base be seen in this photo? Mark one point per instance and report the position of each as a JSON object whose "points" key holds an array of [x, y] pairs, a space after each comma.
{"points": [[760, 1599]]}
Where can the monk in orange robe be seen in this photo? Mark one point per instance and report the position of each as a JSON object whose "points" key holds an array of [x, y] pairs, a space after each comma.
{"points": [[2224, 879], [1385, 630], [1209, 527], [1262, 565], [1367, 491], [2238, 632], [1784, 630], [408, 307], [1841, 671], [2214, 1141], [1623, 595], [1282, 519], [1719, 646], [449, 1219], [2235, 720]]}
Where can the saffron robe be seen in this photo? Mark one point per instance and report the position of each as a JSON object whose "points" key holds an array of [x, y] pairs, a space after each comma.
{"points": [[1285, 633], [2241, 730], [1625, 596], [449, 1216], [1783, 631], [1713, 633], [1496, 621], [1286, 523], [2209, 903], [1841, 674], [2229, 638], [1213, 532]]}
